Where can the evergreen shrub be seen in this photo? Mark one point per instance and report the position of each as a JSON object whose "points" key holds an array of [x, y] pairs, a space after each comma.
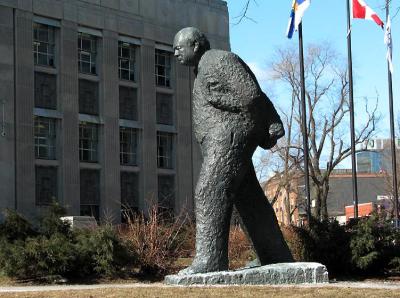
{"points": [[53, 249], [375, 245]]}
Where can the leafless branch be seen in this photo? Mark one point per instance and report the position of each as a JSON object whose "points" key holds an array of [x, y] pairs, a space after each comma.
{"points": [[244, 13]]}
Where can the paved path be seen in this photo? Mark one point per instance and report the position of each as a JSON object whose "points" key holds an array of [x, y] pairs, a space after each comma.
{"points": [[360, 285]]}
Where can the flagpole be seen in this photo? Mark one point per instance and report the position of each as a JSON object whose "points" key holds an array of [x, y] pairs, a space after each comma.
{"points": [[392, 134], [351, 104], [304, 123]]}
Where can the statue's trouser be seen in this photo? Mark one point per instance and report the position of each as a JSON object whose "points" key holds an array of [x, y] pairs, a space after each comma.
{"points": [[227, 170], [260, 222]]}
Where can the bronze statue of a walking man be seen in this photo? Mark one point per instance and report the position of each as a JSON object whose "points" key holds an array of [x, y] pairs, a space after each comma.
{"points": [[231, 117]]}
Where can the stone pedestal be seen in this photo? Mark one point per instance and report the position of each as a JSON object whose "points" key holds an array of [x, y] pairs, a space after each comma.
{"points": [[275, 274]]}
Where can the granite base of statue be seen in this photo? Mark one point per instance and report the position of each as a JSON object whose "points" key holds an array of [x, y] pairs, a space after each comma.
{"points": [[274, 274], [231, 118]]}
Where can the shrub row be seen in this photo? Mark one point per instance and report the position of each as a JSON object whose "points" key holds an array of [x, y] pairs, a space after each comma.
{"points": [[52, 249], [368, 247], [153, 244]]}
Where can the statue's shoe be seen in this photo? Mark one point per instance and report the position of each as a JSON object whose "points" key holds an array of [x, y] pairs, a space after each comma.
{"points": [[200, 268], [254, 263]]}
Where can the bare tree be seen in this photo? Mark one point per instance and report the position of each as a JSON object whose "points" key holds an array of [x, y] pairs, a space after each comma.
{"points": [[244, 13], [327, 100], [285, 167], [390, 191]]}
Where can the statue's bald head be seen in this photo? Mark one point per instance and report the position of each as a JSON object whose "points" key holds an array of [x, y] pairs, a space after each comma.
{"points": [[189, 45]]}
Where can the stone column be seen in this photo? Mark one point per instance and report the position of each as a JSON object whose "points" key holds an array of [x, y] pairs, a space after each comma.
{"points": [[110, 209], [184, 198], [24, 103], [68, 97], [149, 134], [7, 123]]}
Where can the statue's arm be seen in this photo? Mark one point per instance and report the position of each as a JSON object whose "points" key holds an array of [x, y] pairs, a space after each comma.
{"points": [[229, 85]]}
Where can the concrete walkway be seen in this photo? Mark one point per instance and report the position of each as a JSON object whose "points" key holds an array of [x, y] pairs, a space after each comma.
{"points": [[358, 285]]}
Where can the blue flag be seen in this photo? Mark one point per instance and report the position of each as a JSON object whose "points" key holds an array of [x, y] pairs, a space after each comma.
{"points": [[296, 15]]}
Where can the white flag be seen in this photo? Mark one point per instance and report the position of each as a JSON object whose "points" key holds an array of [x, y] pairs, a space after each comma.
{"points": [[388, 43]]}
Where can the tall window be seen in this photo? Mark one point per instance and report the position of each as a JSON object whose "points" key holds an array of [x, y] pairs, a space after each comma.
{"points": [[46, 185], [90, 193], [45, 138], [164, 110], [166, 192], [87, 53], [129, 194], [45, 91], [43, 44], [127, 103], [163, 68], [88, 97], [128, 138], [88, 142], [126, 61], [164, 150]]}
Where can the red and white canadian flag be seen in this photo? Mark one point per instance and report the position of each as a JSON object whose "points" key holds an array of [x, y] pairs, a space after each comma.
{"points": [[362, 11]]}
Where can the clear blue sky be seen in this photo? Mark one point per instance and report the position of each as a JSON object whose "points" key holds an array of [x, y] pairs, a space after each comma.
{"points": [[255, 43]]}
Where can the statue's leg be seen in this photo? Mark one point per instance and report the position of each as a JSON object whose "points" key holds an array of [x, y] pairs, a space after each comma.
{"points": [[260, 221], [213, 209]]}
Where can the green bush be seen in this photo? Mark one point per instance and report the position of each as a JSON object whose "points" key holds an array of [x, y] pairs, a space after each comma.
{"points": [[100, 252], [38, 257], [15, 227], [324, 242], [374, 244], [370, 246], [52, 249], [51, 223], [331, 246]]}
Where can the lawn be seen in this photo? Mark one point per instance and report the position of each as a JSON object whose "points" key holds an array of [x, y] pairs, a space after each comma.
{"points": [[234, 291]]}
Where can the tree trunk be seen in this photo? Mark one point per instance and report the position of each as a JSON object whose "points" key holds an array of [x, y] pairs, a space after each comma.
{"points": [[316, 197], [287, 206], [324, 199]]}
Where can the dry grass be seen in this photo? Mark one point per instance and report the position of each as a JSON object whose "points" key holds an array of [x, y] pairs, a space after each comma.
{"points": [[240, 249], [248, 291], [156, 240], [160, 244], [6, 281]]}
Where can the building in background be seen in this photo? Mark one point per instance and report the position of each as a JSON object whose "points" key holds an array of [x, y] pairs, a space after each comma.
{"points": [[287, 200], [377, 156], [96, 114], [374, 191]]}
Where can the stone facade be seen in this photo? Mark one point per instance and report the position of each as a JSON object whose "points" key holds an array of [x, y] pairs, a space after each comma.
{"points": [[145, 25]]}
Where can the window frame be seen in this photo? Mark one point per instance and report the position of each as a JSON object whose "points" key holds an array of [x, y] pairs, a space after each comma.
{"points": [[92, 148], [163, 98], [165, 160], [93, 102], [46, 139], [128, 157], [40, 101], [48, 44], [93, 204], [53, 177], [167, 204], [90, 53], [163, 71], [129, 207], [132, 103], [130, 60]]}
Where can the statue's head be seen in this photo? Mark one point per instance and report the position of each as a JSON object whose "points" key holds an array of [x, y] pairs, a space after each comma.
{"points": [[189, 45]]}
